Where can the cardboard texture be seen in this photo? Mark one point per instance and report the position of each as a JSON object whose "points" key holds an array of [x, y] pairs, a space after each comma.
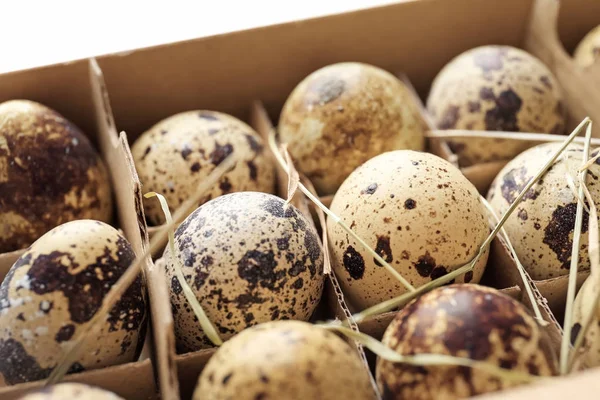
{"points": [[231, 71]]}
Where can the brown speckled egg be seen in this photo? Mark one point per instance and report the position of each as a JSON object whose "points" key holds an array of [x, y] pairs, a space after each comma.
{"points": [[286, 360], [584, 304], [248, 258], [541, 228], [54, 289], [418, 212], [71, 391], [469, 321], [179, 152], [588, 50], [49, 174], [342, 115], [495, 88]]}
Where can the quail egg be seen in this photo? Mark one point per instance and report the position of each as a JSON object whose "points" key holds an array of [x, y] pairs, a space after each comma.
{"points": [[588, 50], [469, 321], [342, 115], [49, 174], [418, 212], [249, 258], [285, 360], [541, 228], [495, 88], [178, 153], [71, 391], [54, 289]]}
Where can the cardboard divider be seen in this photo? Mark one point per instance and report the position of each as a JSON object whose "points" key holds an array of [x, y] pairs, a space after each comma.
{"points": [[132, 381], [542, 39], [115, 152]]}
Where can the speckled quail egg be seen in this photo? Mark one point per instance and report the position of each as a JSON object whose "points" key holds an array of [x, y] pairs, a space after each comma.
{"points": [[285, 360], [49, 174], [584, 304], [495, 88], [541, 228], [179, 152], [342, 115], [588, 50], [469, 321], [249, 258], [71, 391], [54, 289], [418, 212]]}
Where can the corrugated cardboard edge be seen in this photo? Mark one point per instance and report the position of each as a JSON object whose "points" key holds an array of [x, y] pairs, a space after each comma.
{"points": [[580, 85], [129, 199]]}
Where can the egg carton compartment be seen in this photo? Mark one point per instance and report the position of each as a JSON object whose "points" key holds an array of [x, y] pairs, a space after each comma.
{"points": [[130, 381], [78, 93]]}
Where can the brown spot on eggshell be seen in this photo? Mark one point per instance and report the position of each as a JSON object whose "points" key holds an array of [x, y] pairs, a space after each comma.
{"points": [[370, 189], [354, 263], [449, 118], [503, 117], [425, 264], [65, 333], [384, 250], [558, 233]]}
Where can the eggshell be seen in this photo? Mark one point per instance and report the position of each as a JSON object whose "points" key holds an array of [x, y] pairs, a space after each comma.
{"points": [[71, 391], [178, 153], [285, 360], [588, 50], [49, 174], [469, 321], [248, 258], [418, 212], [495, 88], [541, 228], [584, 304], [343, 114], [54, 289]]}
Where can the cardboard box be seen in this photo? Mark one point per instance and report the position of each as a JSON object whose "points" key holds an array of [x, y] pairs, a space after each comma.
{"points": [[230, 72]]}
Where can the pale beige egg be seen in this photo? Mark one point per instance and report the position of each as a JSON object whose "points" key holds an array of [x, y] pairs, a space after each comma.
{"points": [[178, 153], [49, 174], [541, 228], [249, 258], [470, 321], [418, 212], [286, 360], [342, 115], [52, 292], [495, 88]]}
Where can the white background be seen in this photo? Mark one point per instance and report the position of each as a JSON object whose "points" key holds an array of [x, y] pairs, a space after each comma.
{"points": [[35, 33]]}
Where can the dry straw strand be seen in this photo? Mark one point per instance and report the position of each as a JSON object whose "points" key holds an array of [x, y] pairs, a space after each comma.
{"points": [[526, 282], [391, 304], [275, 149], [594, 254], [117, 290], [428, 359], [207, 326], [572, 285]]}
